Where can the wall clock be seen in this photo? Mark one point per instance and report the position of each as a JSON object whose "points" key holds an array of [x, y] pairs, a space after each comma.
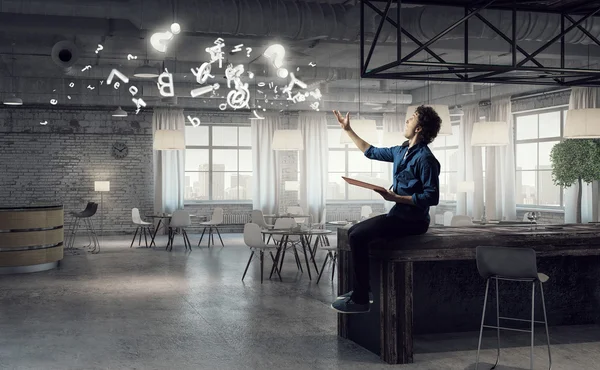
{"points": [[119, 150]]}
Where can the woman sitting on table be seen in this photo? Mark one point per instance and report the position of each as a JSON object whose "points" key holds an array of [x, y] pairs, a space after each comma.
{"points": [[415, 189]]}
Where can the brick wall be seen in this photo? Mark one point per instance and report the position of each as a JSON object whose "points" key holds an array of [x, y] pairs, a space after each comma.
{"points": [[59, 162]]}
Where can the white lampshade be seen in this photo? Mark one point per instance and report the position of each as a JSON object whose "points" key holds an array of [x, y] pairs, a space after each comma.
{"points": [[465, 187], [169, 140], [101, 185], [366, 129], [582, 124], [292, 186], [119, 112], [287, 140], [442, 111], [392, 139], [489, 134], [146, 71], [13, 100]]}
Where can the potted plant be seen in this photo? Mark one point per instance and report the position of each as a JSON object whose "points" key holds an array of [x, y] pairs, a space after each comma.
{"points": [[575, 161]]}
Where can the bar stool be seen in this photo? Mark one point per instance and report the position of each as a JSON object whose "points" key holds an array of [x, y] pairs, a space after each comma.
{"points": [[85, 215], [511, 264]]}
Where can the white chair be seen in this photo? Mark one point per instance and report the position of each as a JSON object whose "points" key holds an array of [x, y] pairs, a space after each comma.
{"points": [[432, 211], [448, 218], [142, 227], [296, 210], [320, 238], [365, 212], [253, 239], [331, 253], [179, 221], [259, 219], [461, 220], [290, 241], [213, 224]]}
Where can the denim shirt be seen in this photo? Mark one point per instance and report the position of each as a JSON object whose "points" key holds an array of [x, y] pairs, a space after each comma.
{"points": [[416, 175]]}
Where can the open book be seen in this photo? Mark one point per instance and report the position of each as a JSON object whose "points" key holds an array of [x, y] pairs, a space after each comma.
{"points": [[363, 184]]}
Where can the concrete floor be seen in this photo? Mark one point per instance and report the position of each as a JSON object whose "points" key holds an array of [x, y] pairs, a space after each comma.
{"points": [[150, 309]]}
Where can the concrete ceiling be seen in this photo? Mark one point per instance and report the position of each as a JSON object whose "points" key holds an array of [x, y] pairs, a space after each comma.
{"points": [[325, 33]]}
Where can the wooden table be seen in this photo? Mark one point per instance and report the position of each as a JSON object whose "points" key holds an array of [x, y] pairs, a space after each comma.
{"points": [[388, 329], [31, 238]]}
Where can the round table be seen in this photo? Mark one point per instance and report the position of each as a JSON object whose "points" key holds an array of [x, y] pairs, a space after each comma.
{"points": [[161, 217], [304, 240]]}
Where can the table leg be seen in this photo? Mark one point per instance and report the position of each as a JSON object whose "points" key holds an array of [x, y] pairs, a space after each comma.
{"points": [[303, 241], [396, 312], [155, 231]]}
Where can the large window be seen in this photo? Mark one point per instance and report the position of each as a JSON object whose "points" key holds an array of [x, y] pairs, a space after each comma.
{"points": [[535, 135], [218, 163], [445, 149], [347, 160]]}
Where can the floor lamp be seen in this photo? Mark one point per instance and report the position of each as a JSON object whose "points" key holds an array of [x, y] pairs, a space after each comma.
{"points": [[102, 186]]}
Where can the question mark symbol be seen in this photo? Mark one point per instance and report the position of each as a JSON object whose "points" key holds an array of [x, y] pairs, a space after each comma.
{"points": [[276, 53], [248, 51], [160, 39]]}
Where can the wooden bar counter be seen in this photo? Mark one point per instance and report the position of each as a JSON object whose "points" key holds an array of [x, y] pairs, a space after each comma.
{"points": [[31, 238], [429, 284]]}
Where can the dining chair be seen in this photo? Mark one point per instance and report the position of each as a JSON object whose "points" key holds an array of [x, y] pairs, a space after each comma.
{"points": [[461, 220], [179, 221], [142, 227], [448, 218], [213, 225], [331, 253], [257, 217], [365, 212], [290, 241], [296, 210], [253, 238]]}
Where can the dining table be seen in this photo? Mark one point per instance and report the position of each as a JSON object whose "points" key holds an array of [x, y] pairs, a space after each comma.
{"points": [[304, 235], [166, 217]]}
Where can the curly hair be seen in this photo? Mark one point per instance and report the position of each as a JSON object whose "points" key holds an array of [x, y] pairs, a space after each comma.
{"points": [[430, 123]]}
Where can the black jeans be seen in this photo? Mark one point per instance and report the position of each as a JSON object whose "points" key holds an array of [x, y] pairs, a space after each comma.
{"points": [[378, 228]]}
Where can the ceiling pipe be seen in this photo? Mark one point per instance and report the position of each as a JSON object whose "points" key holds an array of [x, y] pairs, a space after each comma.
{"points": [[292, 20]]}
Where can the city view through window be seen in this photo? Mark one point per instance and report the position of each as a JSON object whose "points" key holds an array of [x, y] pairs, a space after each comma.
{"points": [[218, 163]]}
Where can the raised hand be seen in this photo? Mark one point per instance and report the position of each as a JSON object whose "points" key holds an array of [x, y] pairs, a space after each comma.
{"points": [[343, 121]]}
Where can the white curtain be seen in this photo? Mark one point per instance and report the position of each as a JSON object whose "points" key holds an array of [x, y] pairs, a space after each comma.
{"points": [[313, 163], [169, 165], [582, 98], [392, 122], [470, 167], [266, 180], [500, 201]]}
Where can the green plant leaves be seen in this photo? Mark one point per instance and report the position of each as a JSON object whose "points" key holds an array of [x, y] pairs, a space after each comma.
{"points": [[573, 159]]}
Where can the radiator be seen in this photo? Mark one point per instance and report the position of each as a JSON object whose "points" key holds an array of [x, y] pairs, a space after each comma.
{"points": [[343, 216], [237, 218]]}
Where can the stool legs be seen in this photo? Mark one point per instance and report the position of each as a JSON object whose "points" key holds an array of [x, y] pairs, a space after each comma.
{"points": [[532, 322], [487, 288], [498, 327], [546, 324]]}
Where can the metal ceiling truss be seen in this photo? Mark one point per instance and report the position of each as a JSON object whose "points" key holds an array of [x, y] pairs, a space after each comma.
{"points": [[441, 70]]}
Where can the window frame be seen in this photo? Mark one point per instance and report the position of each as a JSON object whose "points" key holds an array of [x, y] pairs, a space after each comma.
{"points": [[210, 147], [537, 112], [445, 149], [346, 149]]}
